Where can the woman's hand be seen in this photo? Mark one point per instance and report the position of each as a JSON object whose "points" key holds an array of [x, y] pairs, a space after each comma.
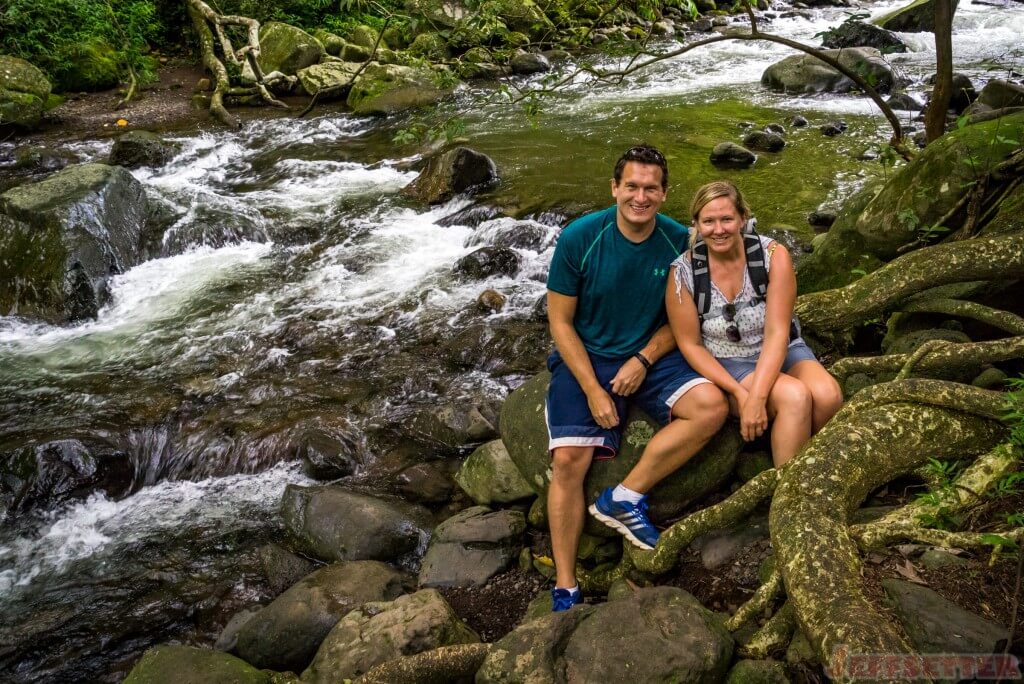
{"points": [[753, 417]]}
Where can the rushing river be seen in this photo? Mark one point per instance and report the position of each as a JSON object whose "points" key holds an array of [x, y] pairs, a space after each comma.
{"points": [[293, 287]]}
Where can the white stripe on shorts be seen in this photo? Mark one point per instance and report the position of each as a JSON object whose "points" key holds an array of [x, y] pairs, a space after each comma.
{"points": [[678, 394]]}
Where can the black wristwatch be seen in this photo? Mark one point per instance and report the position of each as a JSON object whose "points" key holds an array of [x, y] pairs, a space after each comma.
{"points": [[642, 359]]}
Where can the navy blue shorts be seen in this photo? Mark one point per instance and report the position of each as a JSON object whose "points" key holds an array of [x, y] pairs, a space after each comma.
{"points": [[570, 422]]}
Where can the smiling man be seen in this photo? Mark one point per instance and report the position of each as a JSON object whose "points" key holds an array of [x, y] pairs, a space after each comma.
{"points": [[606, 294]]}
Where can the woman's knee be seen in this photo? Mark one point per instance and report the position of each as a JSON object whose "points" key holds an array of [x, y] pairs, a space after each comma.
{"points": [[827, 395], [791, 396]]}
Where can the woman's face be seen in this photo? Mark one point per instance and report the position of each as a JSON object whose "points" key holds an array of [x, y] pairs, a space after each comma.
{"points": [[720, 225]]}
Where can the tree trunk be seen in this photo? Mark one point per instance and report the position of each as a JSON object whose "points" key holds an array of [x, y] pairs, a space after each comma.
{"points": [[935, 117]]}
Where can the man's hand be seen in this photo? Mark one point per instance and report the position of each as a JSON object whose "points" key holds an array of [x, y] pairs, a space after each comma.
{"points": [[753, 418], [602, 407], [629, 377]]}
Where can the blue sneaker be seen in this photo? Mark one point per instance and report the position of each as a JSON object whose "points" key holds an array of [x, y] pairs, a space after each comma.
{"points": [[627, 518], [563, 599]]}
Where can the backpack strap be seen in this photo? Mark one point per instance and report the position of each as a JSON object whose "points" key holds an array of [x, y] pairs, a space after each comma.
{"points": [[701, 278], [756, 266]]}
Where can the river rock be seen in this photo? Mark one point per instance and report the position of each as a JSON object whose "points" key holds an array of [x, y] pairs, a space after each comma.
{"points": [[869, 229], [327, 454], [731, 155], [458, 170], [529, 63], [524, 432], [821, 218], [764, 141], [140, 148], [963, 92], [287, 49], [662, 634], [831, 129], [488, 475], [757, 672], [42, 159], [335, 523], [281, 567], [228, 639], [490, 301], [936, 625], [70, 233], [423, 483], [455, 425], [366, 37], [917, 17], [488, 261], [172, 664], [798, 122], [286, 634], [859, 34], [379, 632], [333, 44], [514, 233], [905, 102], [776, 128], [500, 347], [806, 74], [392, 88], [429, 46], [329, 75], [24, 90], [471, 547], [998, 94]]}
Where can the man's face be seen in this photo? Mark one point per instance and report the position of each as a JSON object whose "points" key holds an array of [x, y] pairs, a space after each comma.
{"points": [[639, 195]]}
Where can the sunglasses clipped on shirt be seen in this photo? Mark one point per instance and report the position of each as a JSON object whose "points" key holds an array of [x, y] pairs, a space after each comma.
{"points": [[732, 332]]}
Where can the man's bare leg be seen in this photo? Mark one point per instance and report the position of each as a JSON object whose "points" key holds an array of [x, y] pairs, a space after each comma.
{"points": [[569, 467]]}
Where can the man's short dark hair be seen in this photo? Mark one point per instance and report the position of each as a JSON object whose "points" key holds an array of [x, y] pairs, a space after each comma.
{"points": [[643, 154]]}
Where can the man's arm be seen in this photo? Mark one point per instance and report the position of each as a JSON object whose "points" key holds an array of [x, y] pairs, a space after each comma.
{"points": [[632, 373], [561, 310]]}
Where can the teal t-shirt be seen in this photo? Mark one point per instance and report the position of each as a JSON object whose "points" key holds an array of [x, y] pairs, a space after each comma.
{"points": [[619, 285]]}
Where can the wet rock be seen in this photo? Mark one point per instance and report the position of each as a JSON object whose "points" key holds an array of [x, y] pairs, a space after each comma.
{"points": [[776, 128], [833, 128], [757, 672], [998, 94], [634, 639], [171, 664], [42, 159], [858, 34], [905, 102], [335, 523], [764, 141], [917, 17], [140, 148], [286, 634], [540, 309], [936, 625], [963, 91], [514, 233], [798, 122], [488, 475], [228, 639], [524, 433], [663, 28], [731, 155], [65, 236], [821, 218], [473, 546], [333, 76], [490, 301], [392, 88], [424, 483], [459, 170], [470, 216], [287, 49], [508, 345], [327, 454], [529, 63], [454, 425], [702, 25], [487, 262], [378, 632], [24, 90], [806, 74], [281, 567]]}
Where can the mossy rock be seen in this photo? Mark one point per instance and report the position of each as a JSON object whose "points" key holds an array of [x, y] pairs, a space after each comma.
{"points": [[1008, 217], [524, 432], [391, 88], [327, 75], [757, 672], [488, 475], [21, 110], [287, 49], [93, 66], [429, 46], [20, 76], [332, 43], [367, 37], [917, 17], [171, 664], [912, 340]]}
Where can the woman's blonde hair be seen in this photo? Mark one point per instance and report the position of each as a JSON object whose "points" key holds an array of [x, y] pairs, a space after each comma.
{"points": [[711, 191]]}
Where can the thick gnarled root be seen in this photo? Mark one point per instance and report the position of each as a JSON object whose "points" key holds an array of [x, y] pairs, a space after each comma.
{"points": [[758, 603], [438, 666], [773, 637], [944, 358]]}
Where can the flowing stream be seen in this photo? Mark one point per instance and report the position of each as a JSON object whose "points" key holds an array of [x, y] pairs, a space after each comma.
{"points": [[294, 286]]}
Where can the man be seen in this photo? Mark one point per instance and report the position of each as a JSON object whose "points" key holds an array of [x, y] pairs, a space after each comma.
{"points": [[606, 294]]}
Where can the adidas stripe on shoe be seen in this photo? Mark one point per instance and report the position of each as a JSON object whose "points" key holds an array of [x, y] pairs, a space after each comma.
{"points": [[629, 519]]}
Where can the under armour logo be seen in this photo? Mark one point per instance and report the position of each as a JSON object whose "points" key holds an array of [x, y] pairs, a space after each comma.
{"points": [[661, 271]]}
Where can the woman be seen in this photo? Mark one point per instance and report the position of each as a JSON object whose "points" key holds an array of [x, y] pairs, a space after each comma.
{"points": [[744, 343]]}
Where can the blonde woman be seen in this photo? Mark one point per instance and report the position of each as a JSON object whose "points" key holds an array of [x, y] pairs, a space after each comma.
{"points": [[742, 339]]}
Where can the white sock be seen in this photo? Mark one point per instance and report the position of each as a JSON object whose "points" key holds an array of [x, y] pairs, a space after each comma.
{"points": [[621, 493], [575, 589]]}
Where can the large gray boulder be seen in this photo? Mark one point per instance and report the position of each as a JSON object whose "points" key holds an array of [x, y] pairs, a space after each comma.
{"points": [[471, 547], [936, 625], [524, 432], [998, 94], [458, 170], [140, 148], [806, 74], [286, 634], [488, 475], [661, 634], [379, 632], [858, 34], [392, 88], [172, 664], [64, 238], [336, 76], [23, 92], [917, 17], [335, 523], [287, 49]]}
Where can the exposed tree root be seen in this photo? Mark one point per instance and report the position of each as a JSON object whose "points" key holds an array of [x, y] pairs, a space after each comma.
{"points": [[1003, 320], [773, 637], [950, 359], [998, 258], [887, 431], [945, 538], [758, 603], [437, 666]]}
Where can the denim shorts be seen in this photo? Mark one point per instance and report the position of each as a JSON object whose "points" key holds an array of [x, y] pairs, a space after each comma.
{"points": [[570, 422], [740, 367]]}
